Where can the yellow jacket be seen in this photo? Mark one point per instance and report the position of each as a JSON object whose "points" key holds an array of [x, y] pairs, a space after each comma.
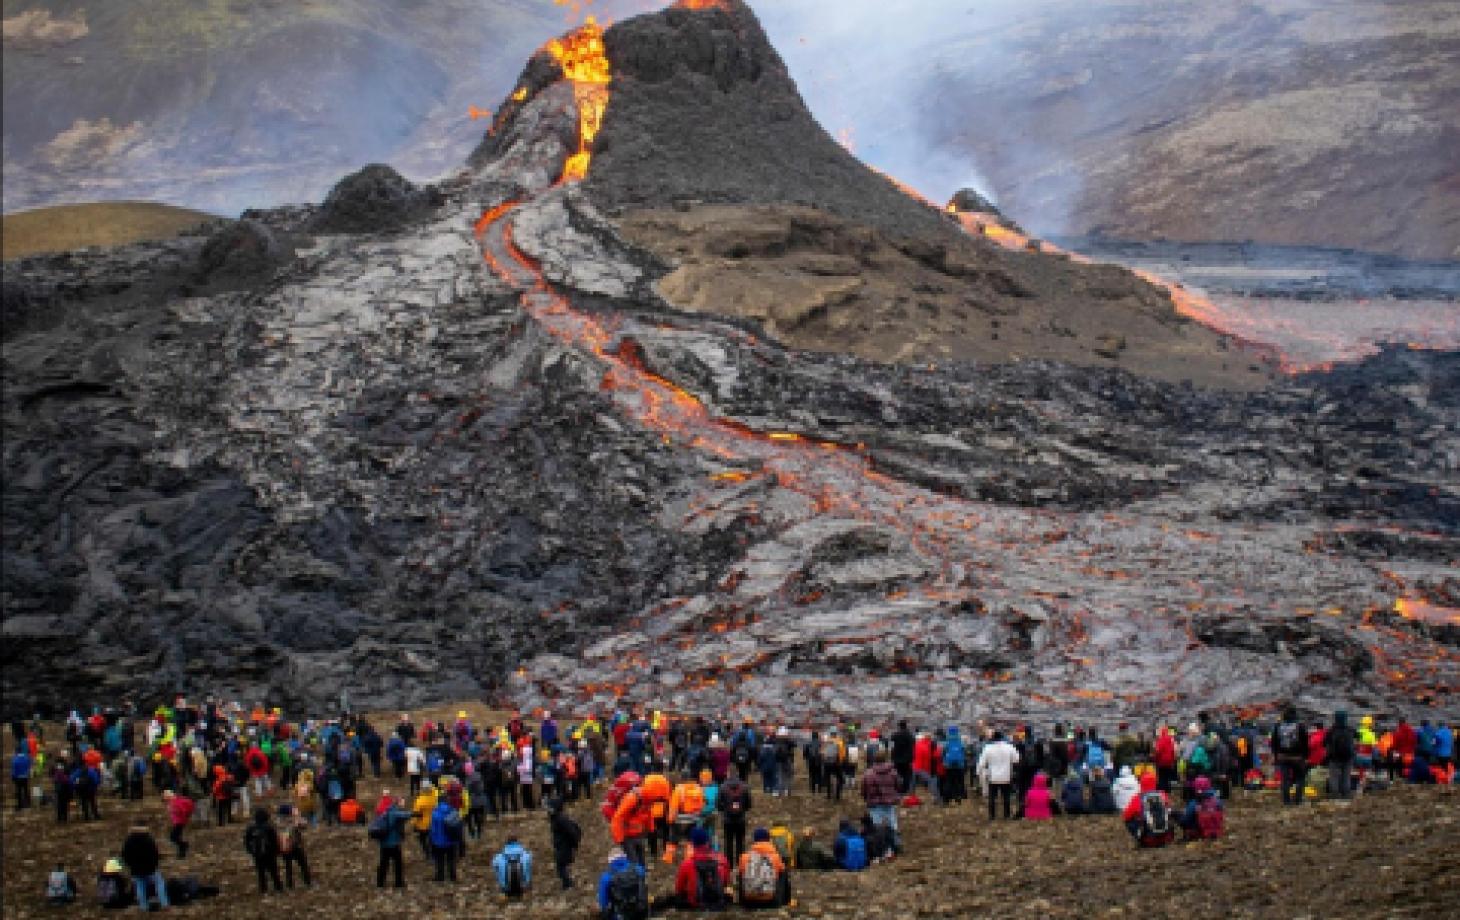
{"points": [[425, 804]]}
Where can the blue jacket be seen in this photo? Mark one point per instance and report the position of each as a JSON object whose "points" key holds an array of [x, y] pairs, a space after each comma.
{"points": [[1444, 741], [395, 834], [614, 868], [499, 864], [955, 755], [20, 766], [395, 750], [440, 836]]}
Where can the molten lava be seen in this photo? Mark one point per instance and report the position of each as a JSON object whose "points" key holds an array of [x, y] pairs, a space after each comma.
{"points": [[584, 60]]}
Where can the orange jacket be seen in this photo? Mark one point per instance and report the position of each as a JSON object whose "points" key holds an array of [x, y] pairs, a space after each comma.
{"points": [[655, 791], [688, 798], [631, 818]]}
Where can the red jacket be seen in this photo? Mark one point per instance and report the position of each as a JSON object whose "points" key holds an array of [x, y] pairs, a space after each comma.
{"points": [[686, 882], [923, 756], [256, 761], [1133, 807], [1165, 753], [179, 810], [1405, 739], [1316, 753]]}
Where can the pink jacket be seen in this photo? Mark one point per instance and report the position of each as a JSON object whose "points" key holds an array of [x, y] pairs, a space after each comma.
{"points": [[1036, 803], [179, 810]]}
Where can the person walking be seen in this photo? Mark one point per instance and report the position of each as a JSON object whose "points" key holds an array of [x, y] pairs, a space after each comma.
{"points": [[20, 767], [881, 791], [291, 846], [179, 812], [566, 835], [389, 832]]}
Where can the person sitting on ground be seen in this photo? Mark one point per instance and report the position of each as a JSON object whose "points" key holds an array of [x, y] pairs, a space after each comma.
{"points": [[1036, 800], [1102, 797], [762, 880], [812, 855], [1202, 818], [1072, 795], [622, 889], [1148, 816], [513, 868], [60, 887], [1125, 788], [704, 876], [113, 887]]}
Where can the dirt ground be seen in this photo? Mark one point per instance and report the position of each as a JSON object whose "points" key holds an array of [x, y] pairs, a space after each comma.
{"points": [[1390, 854]]}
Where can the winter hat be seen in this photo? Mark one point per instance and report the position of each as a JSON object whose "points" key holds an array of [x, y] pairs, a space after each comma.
{"points": [[114, 867], [618, 853], [762, 835], [699, 837]]}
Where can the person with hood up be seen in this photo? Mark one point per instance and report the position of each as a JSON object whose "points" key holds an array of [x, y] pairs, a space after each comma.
{"points": [[924, 766], [1125, 788], [850, 849], [703, 877], [622, 889], [1163, 756], [393, 820], [566, 836], [1202, 818], [1036, 800], [1148, 815], [1102, 796], [444, 831], [513, 869], [762, 881], [719, 756], [1072, 795], [1339, 745], [996, 768]]}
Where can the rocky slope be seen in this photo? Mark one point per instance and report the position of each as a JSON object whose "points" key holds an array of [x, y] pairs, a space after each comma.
{"points": [[281, 460]]}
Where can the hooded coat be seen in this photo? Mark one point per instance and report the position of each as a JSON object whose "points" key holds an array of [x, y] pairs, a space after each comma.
{"points": [[1036, 802]]}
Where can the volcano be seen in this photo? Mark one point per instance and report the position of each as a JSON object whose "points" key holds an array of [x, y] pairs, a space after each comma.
{"points": [[666, 397]]}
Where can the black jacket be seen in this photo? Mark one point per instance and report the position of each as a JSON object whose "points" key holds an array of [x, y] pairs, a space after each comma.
{"points": [[902, 746], [566, 834], [139, 852]]}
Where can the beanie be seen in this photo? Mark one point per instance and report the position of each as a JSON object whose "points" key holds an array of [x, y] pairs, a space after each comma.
{"points": [[699, 837], [762, 835]]}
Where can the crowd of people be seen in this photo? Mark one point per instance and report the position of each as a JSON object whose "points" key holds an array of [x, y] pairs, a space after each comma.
{"points": [[676, 790]]}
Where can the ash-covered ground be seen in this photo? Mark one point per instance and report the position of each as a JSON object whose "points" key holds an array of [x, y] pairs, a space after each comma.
{"points": [[473, 451]]}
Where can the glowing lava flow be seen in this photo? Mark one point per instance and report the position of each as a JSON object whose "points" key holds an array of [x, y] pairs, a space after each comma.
{"points": [[584, 60]]}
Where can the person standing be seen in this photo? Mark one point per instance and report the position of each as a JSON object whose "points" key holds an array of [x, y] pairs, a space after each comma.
{"points": [[734, 805], [391, 834], [566, 836], [140, 855], [903, 743], [1290, 747], [1339, 745], [261, 842], [881, 791], [445, 835], [20, 767], [996, 768], [291, 846]]}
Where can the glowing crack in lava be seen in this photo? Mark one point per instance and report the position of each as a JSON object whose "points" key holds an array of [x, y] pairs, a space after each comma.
{"points": [[584, 61]]}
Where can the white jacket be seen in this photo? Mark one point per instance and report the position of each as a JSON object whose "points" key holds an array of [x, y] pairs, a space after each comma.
{"points": [[1125, 788], [996, 763]]}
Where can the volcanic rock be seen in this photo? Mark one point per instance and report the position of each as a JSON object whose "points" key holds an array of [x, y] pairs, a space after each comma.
{"points": [[466, 457], [244, 248], [375, 199]]}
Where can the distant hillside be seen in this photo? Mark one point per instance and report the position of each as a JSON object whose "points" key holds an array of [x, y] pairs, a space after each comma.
{"points": [[75, 226]]}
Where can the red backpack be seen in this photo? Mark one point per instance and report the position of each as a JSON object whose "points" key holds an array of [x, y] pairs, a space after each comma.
{"points": [[1211, 818]]}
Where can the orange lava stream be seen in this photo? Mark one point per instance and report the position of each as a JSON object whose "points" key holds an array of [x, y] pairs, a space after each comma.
{"points": [[584, 60]]}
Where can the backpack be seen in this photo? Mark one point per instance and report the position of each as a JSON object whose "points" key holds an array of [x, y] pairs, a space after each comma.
{"points": [[515, 883], [831, 753], [709, 893], [109, 890], [781, 840], [58, 888], [379, 828], [758, 881], [1287, 738], [954, 755], [628, 898], [855, 859], [1095, 756], [1199, 759], [572, 831], [1155, 815], [452, 823], [691, 799], [1210, 818], [742, 753], [334, 790], [735, 804]]}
